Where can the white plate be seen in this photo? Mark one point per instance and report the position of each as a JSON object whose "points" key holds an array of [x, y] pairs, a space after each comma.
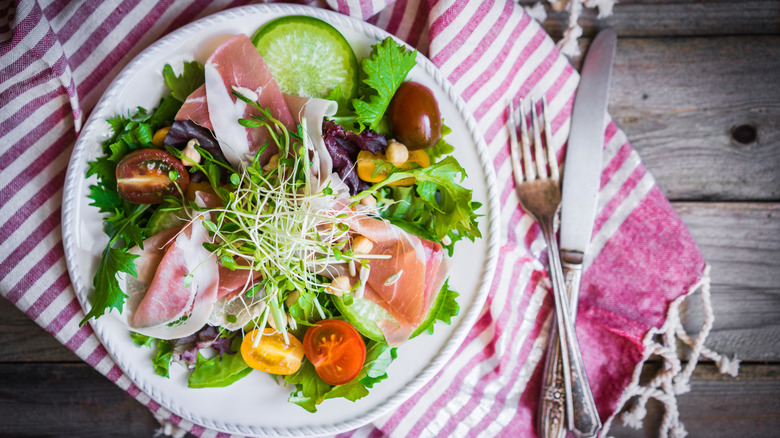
{"points": [[255, 405]]}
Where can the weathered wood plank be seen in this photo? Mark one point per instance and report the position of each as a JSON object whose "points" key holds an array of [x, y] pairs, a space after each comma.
{"points": [[742, 244], [719, 406], [654, 18], [22, 340], [64, 400], [703, 113], [67, 400]]}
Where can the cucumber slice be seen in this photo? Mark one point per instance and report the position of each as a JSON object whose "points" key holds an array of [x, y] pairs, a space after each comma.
{"points": [[363, 313], [308, 57], [162, 219]]}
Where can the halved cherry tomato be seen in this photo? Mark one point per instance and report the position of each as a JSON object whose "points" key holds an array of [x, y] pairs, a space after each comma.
{"points": [[144, 176], [271, 354], [367, 162], [336, 349]]}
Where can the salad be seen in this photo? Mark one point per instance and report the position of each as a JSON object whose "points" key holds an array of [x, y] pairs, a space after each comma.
{"points": [[286, 208]]}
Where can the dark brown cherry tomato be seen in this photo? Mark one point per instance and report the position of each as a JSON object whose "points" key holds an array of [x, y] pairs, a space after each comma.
{"points": [[414, 116], [144, 176], [336, 350]]}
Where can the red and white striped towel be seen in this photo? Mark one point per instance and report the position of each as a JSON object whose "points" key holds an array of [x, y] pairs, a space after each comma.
{"points": [[57, 57]]}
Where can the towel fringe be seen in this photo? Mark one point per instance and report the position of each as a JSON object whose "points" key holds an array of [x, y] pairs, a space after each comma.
{"points": [[167, 428], [568, 45], [673, 379]]}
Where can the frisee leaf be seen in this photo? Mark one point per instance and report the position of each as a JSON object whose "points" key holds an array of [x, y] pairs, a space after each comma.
{"points": [[442, 147], [434, 208], [385, 69], [108, 295], [444, 308]]}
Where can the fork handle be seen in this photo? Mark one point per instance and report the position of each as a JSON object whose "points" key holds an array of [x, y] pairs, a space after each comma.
{"points": [[575, 381], [551, 404]]}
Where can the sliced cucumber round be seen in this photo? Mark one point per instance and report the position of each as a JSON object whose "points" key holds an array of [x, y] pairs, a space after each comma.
{"points": [[308, 57], [363, 314], [162, 219]]}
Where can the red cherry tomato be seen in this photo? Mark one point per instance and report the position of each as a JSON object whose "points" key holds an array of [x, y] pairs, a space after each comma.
{"points": [[144, 176], [336, 349], [414, 116]]}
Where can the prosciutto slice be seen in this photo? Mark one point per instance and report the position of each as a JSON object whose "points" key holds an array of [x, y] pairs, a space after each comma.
{"points": [[184, 285], [406, 283], [236, 65]]}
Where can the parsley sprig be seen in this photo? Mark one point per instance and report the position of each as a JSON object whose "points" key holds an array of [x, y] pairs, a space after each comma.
{"points": [[384, 70]]}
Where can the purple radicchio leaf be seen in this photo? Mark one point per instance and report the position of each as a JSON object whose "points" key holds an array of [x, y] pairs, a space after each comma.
{"points": [[344, 146], [182, 131], [185, 350]]}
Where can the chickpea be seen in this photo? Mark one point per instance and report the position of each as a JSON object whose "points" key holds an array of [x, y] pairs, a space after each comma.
{"points": [[339, 286], [362, 244], [368, 201], [396, 152]]}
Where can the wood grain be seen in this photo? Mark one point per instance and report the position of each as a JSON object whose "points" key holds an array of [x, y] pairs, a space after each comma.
{"points": [[741, 241], [67, 400], [719, 406], [679, 100], [662, 18], [22, 340]]}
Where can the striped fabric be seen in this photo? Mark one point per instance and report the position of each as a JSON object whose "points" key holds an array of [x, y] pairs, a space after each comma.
{"points": [[57, 57]]}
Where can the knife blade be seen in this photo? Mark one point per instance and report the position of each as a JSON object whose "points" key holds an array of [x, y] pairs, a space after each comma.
{"points": [[581, 181]]}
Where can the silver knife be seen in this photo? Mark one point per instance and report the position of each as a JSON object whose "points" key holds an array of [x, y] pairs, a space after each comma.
{"points": [[581, 181]]}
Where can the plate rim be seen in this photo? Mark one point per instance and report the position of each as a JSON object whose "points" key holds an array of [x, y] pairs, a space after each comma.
{"points": [[77, 163]]}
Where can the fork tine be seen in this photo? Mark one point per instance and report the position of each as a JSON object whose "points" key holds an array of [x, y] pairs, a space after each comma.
{"points": [[541, 161], [530, 173], [552, 159], [514, 149]]}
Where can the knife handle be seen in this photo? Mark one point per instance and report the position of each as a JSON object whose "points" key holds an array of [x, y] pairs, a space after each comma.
{"points": [[553, 398]]}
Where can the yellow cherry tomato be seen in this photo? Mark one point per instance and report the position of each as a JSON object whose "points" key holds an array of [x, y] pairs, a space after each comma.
{"points": [[271, 354], [158, 139], [367, 162]]}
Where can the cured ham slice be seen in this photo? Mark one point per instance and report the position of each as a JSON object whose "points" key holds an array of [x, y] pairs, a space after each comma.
{"points": [[236, 65], [182, 293], [406, 283], [239, 280]]}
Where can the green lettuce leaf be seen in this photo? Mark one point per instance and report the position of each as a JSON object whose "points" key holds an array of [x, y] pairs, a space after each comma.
{"points": [[310, 388], [161, 362], [441, 148], [218, 371], [108, 295]]}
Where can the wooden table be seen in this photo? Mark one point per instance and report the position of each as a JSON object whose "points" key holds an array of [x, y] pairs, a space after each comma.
{"points": [[697, 90]]}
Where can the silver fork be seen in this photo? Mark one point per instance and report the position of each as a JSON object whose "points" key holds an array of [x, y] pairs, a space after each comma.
{"points": [[539, 193]]}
